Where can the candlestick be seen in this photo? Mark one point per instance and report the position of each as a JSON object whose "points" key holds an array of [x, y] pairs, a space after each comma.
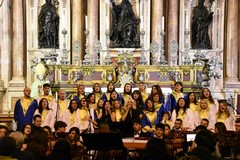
{"points": [[107, 22], [162, 23], [56, 96], [86, 23]]}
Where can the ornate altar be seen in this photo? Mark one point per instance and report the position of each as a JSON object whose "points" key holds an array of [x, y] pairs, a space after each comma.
{"points": [[125, 68], [103, 64], [86, 55]]}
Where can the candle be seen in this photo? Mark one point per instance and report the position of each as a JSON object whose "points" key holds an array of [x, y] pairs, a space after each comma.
{"points": [[86, 23], [107, 22], [162, 23], [141, 23], [56, 96], [187, 21]]}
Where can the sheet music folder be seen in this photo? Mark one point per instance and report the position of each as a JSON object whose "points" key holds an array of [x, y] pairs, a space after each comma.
{"points": [[103, 141]]}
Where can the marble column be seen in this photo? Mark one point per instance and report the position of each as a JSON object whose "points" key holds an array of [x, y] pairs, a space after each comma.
{"points": [[231, 65], [78, 26], [239, 34], [156, 27], [172, 25], [92, 14], [17, 83], [18, 42], [5, 43], [5, 52]]}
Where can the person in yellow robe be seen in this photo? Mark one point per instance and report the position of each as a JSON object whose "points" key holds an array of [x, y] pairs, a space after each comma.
{"points": [[48, 117], [63, 104], [95, 113], [127, 92], [97, 91], [212, 103], [143, 90], [24, 109], [174, 96], [116, 114], [224, 116], [71, 115], [110, 89], [115, 96], [151, 117], [192, 103], [80, 93], [166, 119], [51, 100], [138, 99], [159, 106], [184, 113], [91, 99], [85, 120], [206, 112], [157, 89]]}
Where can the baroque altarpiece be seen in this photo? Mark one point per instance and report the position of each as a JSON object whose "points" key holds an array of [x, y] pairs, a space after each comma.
{"points": [[84, 51]]}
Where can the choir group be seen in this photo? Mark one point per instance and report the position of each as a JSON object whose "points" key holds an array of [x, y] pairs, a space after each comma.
{"points": [[117, 110], [130, 113]]}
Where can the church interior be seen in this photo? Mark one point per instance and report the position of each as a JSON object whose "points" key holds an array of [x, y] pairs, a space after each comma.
{"points": [[72, 43]]}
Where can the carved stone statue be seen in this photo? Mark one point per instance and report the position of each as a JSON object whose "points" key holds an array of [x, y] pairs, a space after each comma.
{"points": [[124, 25], [48, 25], [200, 23]]}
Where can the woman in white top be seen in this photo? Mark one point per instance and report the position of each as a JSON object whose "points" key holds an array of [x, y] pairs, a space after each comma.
{"points": [[185, 114], [71, 115], [48, 118], [192, 103], [223, 115]]}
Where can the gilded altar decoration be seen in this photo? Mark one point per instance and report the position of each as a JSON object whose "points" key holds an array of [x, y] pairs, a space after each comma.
{"points": [[125, 68]]}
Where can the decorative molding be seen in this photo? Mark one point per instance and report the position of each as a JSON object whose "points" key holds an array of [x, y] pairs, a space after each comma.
{"points": [[173, 49], [16, 85], [76, 47]]}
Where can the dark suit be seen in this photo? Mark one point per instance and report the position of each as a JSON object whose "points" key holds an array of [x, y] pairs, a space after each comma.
{"points": [[141, 134]]}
